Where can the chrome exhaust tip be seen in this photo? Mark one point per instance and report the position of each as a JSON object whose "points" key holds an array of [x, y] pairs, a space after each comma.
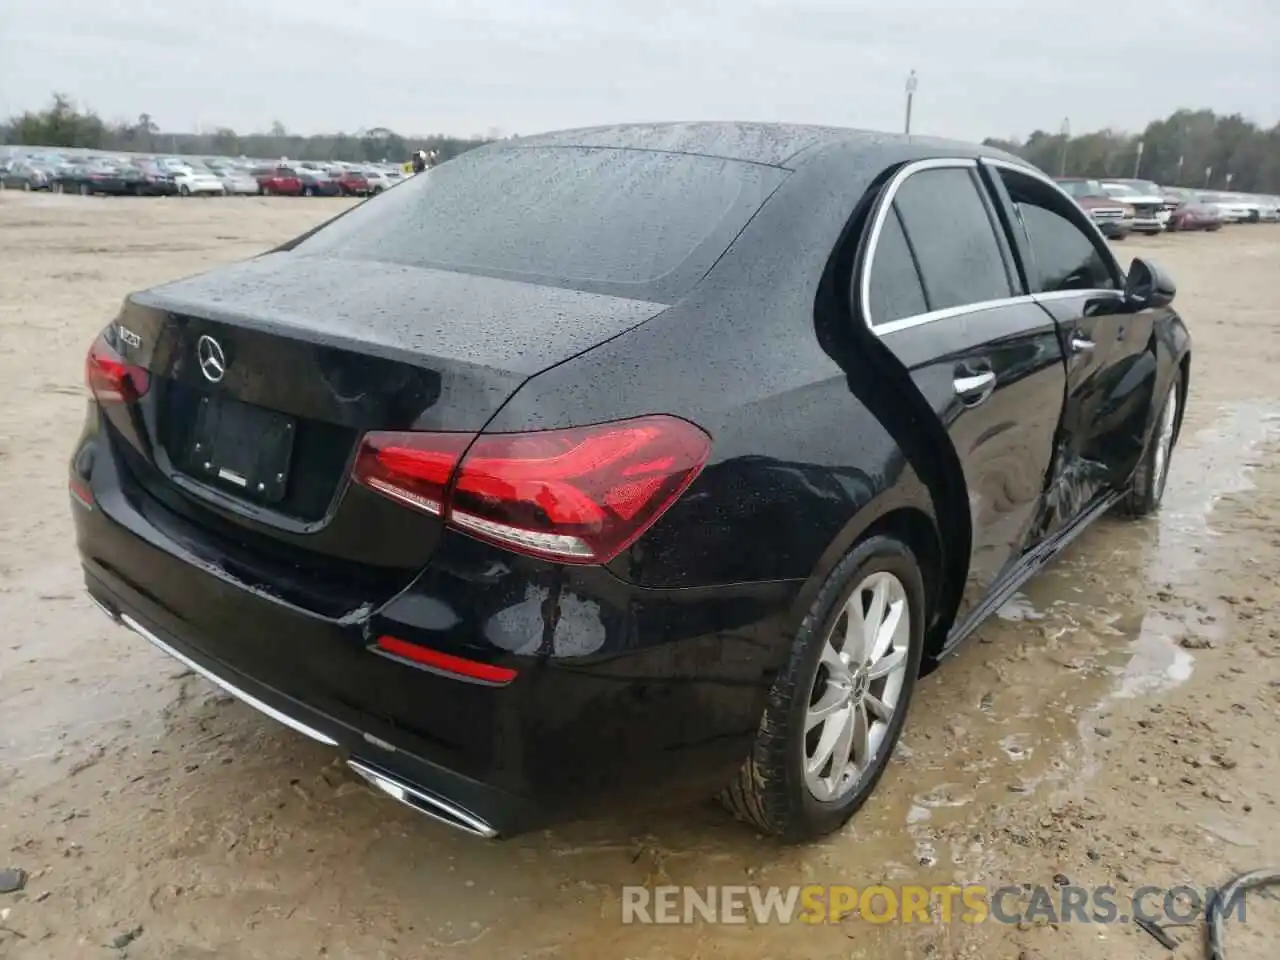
{"points": [[437, 808]]}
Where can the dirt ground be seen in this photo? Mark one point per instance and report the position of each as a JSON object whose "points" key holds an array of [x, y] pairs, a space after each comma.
{"points": [[1118, 724]]}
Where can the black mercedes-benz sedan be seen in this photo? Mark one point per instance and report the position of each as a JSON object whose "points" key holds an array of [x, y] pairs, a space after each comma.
{"points": [[625, 465]]}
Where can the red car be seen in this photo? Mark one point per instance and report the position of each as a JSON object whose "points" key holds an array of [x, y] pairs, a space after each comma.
{"points": [[278, 180], [1193, 215], [353, 184]]}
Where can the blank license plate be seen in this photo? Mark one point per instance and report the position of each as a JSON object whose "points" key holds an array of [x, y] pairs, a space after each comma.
{"points": [[242, 447]]}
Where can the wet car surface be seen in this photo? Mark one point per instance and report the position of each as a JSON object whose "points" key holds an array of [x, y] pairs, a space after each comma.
{"points": [[137, 795]]}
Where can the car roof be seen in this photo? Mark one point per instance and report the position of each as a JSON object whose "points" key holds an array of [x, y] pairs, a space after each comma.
{"points": [[772, 144]]}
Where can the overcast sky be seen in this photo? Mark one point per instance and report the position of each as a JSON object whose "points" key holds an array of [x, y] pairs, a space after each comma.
{"points": [[986, 67]]}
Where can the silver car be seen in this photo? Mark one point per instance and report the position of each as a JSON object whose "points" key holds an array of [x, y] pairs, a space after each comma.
{"points": [[238, 183]]}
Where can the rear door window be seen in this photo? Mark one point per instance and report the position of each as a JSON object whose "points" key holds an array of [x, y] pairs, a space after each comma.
{"points": [[894, 287], [951, 231]]}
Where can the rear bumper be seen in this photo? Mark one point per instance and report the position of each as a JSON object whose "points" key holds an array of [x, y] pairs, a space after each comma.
{"points": [[624, 697], [422, 786]]}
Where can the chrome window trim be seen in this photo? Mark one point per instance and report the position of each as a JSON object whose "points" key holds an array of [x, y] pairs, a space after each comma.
{"points": [[919, 319], [1070, 294], [293, 723], [1047, 180], [883, 206]]}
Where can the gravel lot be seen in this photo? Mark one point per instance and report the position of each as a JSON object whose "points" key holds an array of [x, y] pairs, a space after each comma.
{"points": [[1118, 724]]}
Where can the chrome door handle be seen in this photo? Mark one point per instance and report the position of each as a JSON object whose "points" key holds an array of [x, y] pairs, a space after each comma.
{"points": [[975, 388], [1081, 345]]}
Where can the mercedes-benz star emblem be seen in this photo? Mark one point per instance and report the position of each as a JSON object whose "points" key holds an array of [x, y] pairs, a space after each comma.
{"points": [[213, 362]]}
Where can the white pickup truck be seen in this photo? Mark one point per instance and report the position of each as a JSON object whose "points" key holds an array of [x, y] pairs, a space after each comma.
{"points": [[1150, 214]]}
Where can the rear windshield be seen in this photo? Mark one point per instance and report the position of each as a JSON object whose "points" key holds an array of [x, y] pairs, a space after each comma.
{"points": [[624, 222]]}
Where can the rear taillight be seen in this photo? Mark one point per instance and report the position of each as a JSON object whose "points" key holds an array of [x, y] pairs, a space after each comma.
{"points": [[579, 495], [413, 468], [110, 379]]}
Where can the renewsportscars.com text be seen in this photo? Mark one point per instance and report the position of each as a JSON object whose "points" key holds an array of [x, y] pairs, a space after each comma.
{"points": [[975, 903]]}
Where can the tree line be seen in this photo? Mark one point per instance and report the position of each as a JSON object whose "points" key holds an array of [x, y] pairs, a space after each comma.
{"points": [[63, 124], [1189, 148]]}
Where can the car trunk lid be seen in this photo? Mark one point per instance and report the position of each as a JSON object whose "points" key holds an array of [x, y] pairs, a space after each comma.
{"points": [[265, 374]]}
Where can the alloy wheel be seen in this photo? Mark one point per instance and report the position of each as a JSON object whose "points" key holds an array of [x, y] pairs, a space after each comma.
{"points": [[855, 694]]}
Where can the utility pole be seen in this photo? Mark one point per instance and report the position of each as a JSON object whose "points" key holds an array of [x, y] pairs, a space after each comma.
{"points": [[912, 83], [1229, 176], [1208, 172], [1137, 161], [1066, 142], [1180, 159]]}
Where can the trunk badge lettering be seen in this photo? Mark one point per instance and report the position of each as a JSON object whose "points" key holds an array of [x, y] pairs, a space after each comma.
{"points": [[128, 336], [213, 362]]}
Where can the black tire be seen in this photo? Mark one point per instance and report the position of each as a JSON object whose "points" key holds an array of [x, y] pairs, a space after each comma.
{"points": [[1149, 479], [769, 791]]}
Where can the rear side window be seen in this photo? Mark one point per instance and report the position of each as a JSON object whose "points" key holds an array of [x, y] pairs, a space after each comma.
{"points": [[1064, 255], [953, 237], [894, 286], [625, 222]]}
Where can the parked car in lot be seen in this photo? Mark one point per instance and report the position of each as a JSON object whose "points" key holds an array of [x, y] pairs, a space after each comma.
{"points": [[1149, 213], [771, 415], [1194, 215], [1114, 219], [237, 182], [1169, 198], [281, 180], [156, 180], [21, 175], [197, 183], [1234, 209], [99, 178], [318, 183], [351, 182], [1249, 208], [377, 180]]}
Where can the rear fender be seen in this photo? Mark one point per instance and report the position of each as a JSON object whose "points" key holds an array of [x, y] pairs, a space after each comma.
{"points": [[907, 497]]}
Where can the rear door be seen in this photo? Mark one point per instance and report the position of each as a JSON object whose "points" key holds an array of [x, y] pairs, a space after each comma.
{"points": [[1111, 361], [940, 290]]}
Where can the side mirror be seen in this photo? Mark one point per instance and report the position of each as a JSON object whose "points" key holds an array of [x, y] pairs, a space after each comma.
{"points": [[1147, 285]]}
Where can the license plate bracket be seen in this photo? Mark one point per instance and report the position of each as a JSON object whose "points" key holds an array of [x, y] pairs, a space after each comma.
{"points": [[243, 448]]}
